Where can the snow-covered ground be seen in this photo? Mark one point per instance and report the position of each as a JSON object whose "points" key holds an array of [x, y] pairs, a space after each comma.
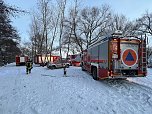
{"points": [[46, 91]]}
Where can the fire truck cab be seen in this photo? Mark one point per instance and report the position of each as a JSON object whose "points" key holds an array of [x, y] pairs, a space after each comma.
{"points": [[116, 56], [75, 59]]}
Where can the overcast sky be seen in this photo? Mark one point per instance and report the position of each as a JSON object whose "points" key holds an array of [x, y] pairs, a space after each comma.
{"points": [[131, 8]]}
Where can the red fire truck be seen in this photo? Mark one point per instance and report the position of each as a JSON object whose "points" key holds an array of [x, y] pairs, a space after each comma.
{"points": [[116, 56], [21, 59], [75, 59], [41, 59]]}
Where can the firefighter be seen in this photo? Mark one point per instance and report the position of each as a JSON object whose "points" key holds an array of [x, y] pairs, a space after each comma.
{"points": [[28, 66]]}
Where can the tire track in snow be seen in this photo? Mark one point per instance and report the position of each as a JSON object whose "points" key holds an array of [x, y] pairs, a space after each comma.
{"points": [[135, 93], [145, 90]]}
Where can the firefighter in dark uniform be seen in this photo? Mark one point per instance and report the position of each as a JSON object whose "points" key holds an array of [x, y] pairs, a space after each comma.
{"points": [[28, 66]]}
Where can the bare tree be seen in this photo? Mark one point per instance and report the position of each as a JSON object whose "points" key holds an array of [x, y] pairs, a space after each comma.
{"points": [[62, 6], [87, 24], [40, 27], [45, 21], [54, 27], [36, 36], [73, 21], [145, 23], [70, 38], [120, 22], [94, 21]]}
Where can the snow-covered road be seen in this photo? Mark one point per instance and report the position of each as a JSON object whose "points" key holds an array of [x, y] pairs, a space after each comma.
{"points": [[46, 91]]}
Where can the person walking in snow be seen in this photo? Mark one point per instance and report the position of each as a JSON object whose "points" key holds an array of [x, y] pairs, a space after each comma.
{"points": [[28, 66]]}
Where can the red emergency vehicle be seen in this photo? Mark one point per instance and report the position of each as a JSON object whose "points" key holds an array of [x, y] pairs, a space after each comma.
{"points": [[40, 58], [21, 59], [116, 56], [75, 59]]}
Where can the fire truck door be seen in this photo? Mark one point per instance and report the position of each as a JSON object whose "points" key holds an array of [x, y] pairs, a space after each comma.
{"points": [[22, 59]]}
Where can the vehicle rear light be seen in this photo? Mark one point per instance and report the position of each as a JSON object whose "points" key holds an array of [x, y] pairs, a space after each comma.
{"points": [[110, 73]]}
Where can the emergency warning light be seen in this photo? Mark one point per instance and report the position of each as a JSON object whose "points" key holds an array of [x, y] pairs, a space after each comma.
{"points": [[117, 33]]}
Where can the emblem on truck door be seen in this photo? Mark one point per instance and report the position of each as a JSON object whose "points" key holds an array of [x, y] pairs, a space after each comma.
{"points": [[129, 57]]}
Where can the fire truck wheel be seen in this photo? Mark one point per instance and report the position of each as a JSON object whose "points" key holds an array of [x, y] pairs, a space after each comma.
{"points": [[67, 66], [53, 67], [94, 74], [82, 68]]}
